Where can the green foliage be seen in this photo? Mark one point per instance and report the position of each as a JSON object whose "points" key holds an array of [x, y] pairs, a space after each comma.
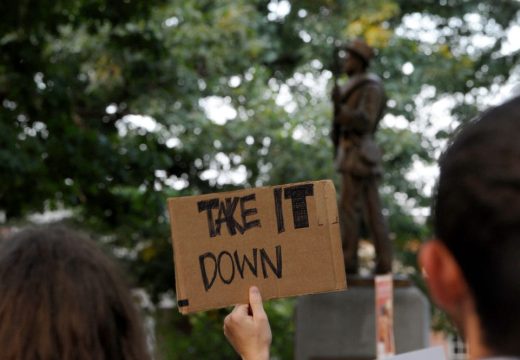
{"points": [[198, 336], [73, 73]]}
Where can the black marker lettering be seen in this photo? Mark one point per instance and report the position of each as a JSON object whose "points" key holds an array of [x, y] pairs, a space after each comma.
{"points": [[265, 258], [207, 205], [232, 274], [225, 215], [298, 194], [278, 209], [248, 212], [245, 260], [224, 265], [207, 283]]}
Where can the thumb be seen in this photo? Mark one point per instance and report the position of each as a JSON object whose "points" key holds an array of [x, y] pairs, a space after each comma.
{"points": [[255, 300]]}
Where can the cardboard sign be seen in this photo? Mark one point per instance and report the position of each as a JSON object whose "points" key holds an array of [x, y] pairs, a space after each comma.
{"points": [[385, 343], [283, 239]]}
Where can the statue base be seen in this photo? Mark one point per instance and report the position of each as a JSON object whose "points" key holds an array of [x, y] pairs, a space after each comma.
{"points": [[341, 325]]}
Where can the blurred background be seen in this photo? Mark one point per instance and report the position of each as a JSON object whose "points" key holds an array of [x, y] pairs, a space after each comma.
{"points": [[108, 107]]}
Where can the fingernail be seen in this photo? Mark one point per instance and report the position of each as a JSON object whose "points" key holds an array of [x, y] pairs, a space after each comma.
{"points": [[254, 290]]}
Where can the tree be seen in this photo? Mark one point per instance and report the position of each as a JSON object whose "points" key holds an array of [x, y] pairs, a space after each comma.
{"points": [[106, 106]]}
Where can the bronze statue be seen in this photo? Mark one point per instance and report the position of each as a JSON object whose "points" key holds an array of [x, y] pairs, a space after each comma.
{"points": [[358, 107]]}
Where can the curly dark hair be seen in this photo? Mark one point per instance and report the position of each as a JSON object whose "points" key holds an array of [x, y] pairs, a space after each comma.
{"points": [[477, 216], [61, 298]]}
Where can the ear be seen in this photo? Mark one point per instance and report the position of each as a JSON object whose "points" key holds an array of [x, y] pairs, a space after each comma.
{"points": [[443, 276]]}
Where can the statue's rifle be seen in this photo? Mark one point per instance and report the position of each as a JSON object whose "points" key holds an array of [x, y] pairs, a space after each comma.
{"points": [[335, 128]]}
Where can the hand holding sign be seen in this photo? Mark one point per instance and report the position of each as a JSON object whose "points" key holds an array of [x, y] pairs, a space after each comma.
{"points": [[282, 239], [247, 328]]}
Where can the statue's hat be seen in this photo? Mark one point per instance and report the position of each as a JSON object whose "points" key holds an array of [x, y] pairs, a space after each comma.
{"points": [[360, 48]]}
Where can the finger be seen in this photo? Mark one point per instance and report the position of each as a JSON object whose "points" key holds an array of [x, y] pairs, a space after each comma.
{"points": [[240, 309], [255, 301]]}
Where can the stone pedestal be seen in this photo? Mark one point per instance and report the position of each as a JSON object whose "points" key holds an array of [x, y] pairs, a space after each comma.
{"points": [[341, 326]]}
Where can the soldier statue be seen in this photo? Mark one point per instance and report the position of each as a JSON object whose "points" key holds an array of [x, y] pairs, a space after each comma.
{"points": [[358, 107]]}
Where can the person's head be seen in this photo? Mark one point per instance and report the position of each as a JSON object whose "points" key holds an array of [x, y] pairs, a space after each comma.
{"points": [[358, 57], [475, 264], [62, 298]]}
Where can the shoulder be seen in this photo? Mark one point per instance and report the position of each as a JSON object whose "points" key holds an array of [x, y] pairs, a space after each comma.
{"points": [[372, 84], [366, 81], [373, 80]]}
